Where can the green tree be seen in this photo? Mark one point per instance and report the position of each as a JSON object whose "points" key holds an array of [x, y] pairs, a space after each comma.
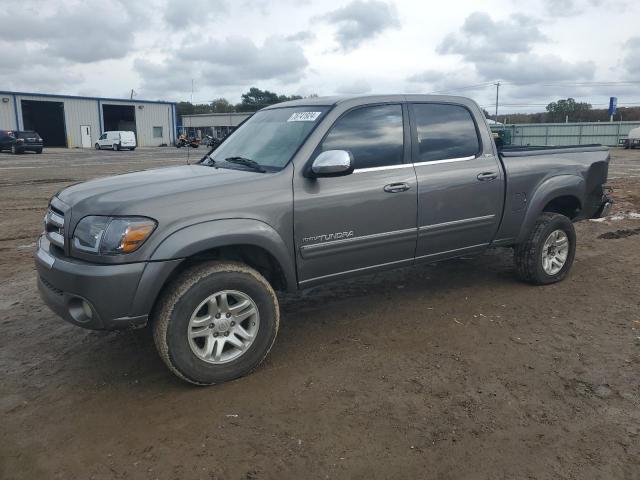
{"points": [[184, 108], [255, 99], [222, 105], [577, 111]]}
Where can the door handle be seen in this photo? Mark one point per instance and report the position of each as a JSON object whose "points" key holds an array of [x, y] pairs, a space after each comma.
{"points": [[396, 187], [486, 176]]}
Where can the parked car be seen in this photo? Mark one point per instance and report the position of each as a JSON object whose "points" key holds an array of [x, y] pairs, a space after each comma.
{"points": [[305, 192], [116, 140], [20, 141], [632, 140]]}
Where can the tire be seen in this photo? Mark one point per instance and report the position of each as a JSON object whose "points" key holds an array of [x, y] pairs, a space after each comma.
{"points": [[529, 255], [116, 147], [39, 151], [15, 151], [97, 145], [132, 148], [180, 302]]}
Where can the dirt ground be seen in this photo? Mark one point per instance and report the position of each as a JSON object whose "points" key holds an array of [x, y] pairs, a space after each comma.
{"points": [[448, 371]]}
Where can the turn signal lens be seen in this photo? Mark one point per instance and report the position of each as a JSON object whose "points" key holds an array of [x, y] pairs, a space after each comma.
{"points": [[126, 234], [135, 235]]}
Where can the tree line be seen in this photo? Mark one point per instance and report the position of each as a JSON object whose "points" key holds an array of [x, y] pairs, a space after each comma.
{"points": [[563, 109], [557, 111], [253, 100]]}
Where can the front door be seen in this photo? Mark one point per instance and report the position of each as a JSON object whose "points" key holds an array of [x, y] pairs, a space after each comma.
{"points": [[460, 181], [366, 220], [85, 134]]}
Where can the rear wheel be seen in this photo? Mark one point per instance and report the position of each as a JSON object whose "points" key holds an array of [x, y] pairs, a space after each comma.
{"points": [[39, 151], [132, 148], [15, 150], [547, 254], [216, 322]]}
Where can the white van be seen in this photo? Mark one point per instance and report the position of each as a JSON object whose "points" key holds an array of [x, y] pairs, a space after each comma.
{"points": [[117, 140]]}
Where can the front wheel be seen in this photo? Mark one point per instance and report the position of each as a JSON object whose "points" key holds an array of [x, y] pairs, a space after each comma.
{"points": [[216, 322], [97, 145], [547, 254]]}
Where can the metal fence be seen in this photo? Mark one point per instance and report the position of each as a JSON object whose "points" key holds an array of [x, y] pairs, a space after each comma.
{"points": [[604, 133]]}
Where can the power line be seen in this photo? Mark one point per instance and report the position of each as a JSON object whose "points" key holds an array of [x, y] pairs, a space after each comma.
{"points": [[595, 83], [467, 87], [545, 104]]}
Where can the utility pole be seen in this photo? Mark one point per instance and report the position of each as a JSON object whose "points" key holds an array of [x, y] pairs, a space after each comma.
{"points": [[497, 99]]}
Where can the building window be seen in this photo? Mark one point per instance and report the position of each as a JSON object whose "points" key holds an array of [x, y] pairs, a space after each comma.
{"points": [[157, 132]]}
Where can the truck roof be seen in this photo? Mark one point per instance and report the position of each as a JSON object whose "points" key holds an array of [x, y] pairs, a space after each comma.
{"points": [[334, 100]]}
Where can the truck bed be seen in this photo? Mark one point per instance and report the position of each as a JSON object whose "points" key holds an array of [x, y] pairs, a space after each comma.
{"points": [[574, 172]]}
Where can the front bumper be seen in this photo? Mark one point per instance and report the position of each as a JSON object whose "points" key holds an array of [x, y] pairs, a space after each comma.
{"points": [[99, 297]]}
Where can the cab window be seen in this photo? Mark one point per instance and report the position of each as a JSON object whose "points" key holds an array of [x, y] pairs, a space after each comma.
{"points": [[373, 135], [444, 132]]}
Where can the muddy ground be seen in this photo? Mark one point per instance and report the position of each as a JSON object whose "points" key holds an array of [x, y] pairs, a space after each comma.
{"points": [[449, 371]]}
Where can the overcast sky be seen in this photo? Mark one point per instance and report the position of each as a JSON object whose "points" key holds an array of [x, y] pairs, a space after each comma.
{"points": [[535, 47]]}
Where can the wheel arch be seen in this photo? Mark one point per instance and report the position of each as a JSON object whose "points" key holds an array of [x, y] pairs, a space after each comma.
{"points": [[252, 242], [558, 194]]}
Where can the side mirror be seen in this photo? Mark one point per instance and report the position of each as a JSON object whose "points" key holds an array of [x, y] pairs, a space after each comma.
{"points": [[332, 163]]}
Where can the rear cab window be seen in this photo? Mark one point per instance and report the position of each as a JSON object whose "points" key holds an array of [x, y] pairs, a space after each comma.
{"points": [[443, 132], [373, 134]]}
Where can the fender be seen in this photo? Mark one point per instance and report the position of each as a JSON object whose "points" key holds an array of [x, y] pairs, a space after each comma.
{"points": [[549, 189], [204, 236]]}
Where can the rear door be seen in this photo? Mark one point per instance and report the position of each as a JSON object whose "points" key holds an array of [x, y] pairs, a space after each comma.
{"points": [[460, 180], [366, 220], [127, 139]]}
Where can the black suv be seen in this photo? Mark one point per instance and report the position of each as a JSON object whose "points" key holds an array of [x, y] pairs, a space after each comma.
{"points": [[20, 141]]}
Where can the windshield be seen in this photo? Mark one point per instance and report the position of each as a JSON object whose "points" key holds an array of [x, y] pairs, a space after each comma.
{"points": [[270, 137]]}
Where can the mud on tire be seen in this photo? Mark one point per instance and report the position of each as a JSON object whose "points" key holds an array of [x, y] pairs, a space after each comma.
{"points": [[528, 255], [180, 302]]}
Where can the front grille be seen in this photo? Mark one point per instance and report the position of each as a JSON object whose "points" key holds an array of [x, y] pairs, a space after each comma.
{"points": [[55, 290], [54, 226]]}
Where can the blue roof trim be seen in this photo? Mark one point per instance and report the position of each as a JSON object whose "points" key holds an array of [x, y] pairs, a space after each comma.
{"points": [[15, 111], [77, 97]]}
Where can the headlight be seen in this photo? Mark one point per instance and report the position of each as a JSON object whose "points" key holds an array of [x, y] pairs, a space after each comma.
{"points": [[112, 235]]}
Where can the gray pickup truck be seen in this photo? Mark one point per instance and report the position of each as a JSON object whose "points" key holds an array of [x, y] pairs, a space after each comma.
{"points": [[303, 193]]}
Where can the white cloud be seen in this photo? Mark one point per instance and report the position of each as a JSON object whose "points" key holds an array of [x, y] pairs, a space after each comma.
{"points": [[355, 88], [298, 46], [361, 20]]}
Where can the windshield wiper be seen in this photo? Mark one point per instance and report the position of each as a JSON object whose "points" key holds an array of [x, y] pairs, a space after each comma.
{"points": [[247, 162]]}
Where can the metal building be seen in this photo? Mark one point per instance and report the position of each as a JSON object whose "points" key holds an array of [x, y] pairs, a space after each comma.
{"points": [[605, 133], [218, 125], [72, 121]]}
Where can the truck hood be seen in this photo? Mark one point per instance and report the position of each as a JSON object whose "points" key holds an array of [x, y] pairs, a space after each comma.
{"points": [[148, 192]]}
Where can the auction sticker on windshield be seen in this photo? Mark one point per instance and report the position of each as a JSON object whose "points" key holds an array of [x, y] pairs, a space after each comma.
{"points": [[304, 116]]}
